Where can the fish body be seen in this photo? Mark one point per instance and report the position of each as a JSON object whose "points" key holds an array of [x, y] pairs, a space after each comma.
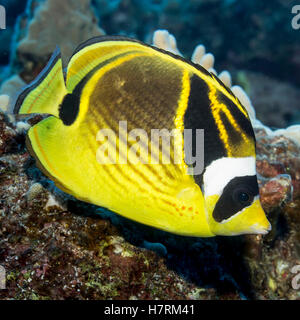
{"points": [[98, 142]]}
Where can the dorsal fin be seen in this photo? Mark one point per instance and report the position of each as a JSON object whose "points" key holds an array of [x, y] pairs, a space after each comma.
{"points": [[96, 51], [46, 92], [100, 50]]}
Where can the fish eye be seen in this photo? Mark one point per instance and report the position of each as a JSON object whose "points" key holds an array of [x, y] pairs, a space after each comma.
{"points": [[237, 195], [242, 196]]}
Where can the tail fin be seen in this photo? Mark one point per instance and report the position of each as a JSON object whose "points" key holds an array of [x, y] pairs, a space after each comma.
{"points": [[46, 92]]}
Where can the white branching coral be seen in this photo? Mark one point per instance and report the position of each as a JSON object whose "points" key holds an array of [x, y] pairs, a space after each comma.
{"points": [[164, 40]]}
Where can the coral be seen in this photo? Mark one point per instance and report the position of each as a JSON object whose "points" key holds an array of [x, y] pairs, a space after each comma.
{"points": [[164, 40], [276, 102], [276, 191], [38, 34], [292, 132], [270, 259], [4, 102], [11, 87], [22, 127], [34, 191], [74, 22]]}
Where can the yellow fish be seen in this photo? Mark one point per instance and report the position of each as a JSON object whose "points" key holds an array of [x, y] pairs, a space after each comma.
{"points": [[104, 141]]}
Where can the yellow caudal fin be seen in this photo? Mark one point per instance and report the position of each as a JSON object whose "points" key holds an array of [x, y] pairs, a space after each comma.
{"points": [[46, 92]]}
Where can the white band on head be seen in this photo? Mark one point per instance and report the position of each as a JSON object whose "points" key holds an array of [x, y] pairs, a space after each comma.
{"points": [[221, 171]]}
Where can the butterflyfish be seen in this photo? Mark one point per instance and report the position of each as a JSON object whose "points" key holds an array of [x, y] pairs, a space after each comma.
{"points": [[104, 140]]}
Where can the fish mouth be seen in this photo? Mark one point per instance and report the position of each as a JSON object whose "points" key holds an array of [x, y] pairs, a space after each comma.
{"points": [[262, 224], [261, 229], [251, 220]]}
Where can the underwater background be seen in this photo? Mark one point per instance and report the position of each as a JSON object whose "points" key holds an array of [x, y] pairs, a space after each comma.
{"points": [[53, 246]]}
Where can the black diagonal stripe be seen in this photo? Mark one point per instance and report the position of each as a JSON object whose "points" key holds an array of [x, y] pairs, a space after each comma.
{"points": [[238, 194], [235, 137], [199, 116], [243, 122], [121, 38], [69, 108], [143, 175]]}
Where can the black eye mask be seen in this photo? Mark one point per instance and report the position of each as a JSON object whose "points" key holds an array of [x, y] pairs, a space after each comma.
{"points": [[238, 194]]}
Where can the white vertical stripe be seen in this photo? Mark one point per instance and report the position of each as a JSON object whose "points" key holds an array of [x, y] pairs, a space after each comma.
{"points": [[220, 172]]}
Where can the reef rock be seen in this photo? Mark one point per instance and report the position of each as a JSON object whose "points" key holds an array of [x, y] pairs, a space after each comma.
{"points": [[55, 247], [8, 136], [52, 23], [271, 259]]}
